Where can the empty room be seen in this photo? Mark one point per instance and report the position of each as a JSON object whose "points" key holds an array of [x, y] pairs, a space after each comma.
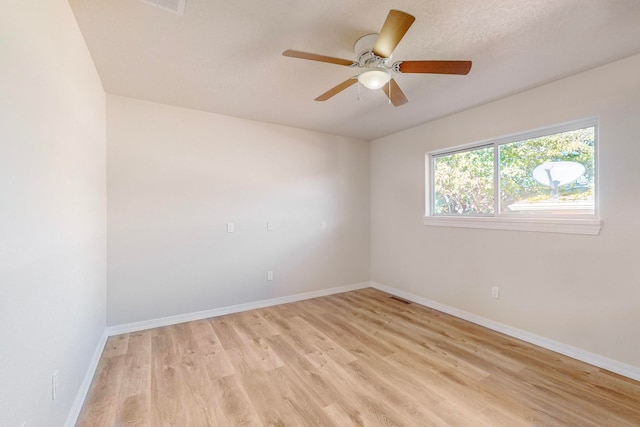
{"points": [[336, 213]]}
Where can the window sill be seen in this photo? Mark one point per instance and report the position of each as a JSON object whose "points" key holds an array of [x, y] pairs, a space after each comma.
{"points": [[542, 225]]}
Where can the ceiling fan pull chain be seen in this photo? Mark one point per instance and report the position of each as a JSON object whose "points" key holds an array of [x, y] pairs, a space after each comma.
{"points": [[389, 83]]}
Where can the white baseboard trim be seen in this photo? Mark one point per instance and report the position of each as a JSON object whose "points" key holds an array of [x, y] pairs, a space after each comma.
{"points": [[198, 315], [603, 362], [81, 395]]}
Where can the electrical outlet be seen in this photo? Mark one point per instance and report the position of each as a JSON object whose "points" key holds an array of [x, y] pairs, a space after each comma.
{"points": [[231, 227], [54, 385], [495, 292], [269, 226], [323, 225], [269, 275]]}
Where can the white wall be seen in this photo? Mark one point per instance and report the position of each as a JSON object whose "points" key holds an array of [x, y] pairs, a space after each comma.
{"points": [[177, 176], [582, 291], [52, 211]]}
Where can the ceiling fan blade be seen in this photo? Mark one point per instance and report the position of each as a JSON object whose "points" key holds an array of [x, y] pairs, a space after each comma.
{"points": [[395, 94], [394, 28], [336, 90], [315, 57], [435, 67]]}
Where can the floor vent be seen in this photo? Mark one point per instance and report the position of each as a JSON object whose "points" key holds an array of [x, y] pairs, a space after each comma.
{"points": [[175, 6], [406, 301]]}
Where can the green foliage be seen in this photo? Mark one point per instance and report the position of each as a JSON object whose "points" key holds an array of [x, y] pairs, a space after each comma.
{"points": [[519, 159], [464, 181]]}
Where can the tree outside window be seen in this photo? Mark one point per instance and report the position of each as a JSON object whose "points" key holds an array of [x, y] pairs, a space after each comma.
{"points": [[545, 175]]}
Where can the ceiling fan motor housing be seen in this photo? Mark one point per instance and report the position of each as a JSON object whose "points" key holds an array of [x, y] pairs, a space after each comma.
{"points": [[364, 53]]}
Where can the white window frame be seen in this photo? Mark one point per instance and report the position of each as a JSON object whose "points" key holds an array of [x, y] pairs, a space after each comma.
{"points": [[583, 224]]}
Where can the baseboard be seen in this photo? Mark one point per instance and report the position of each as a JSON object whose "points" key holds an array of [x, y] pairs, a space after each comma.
{"points": [[603, 362], [81, 395], [198, 315]]}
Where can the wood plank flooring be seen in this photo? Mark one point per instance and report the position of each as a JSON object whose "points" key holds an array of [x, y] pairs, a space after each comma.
{"points": [[359, 358]]}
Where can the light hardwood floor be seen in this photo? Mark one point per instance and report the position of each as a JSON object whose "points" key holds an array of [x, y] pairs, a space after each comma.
{"points": [[360, 358]]}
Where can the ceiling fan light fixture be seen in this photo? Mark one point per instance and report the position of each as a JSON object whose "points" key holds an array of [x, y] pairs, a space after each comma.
{"points": [[374, 79]]}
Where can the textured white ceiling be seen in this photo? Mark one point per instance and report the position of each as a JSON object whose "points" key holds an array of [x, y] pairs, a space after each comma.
{"points": [[225, 56]]}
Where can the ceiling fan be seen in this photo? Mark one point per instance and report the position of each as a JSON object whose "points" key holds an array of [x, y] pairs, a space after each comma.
{"points": [[373, 59]]}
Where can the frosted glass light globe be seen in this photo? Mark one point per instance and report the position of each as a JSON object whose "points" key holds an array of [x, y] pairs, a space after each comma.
{"points": [[374, 79]]}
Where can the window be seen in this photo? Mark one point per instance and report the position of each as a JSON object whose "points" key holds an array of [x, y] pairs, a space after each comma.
{"points": [[463, 182], [542, 180]]}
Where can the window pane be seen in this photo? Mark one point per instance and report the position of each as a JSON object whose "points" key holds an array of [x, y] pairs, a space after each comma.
{"points": [[549, 175], [463, 183]]}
